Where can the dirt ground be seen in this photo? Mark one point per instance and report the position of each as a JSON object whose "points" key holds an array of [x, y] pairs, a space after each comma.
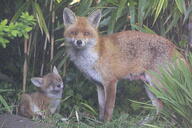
{"points": [[16, 121]]}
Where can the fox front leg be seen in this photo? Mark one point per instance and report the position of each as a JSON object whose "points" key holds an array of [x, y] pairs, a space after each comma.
{"points": [[101, 100], [110, 96]]}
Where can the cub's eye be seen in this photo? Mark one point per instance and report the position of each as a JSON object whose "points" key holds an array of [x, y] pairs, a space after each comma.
{"points": [[86, 33], [73, 32], [58, 85]]}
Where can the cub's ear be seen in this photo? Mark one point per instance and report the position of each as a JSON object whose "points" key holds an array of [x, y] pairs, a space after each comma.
{"points": [[68, 17], [94, 18], [55, 70], [37, 81]]}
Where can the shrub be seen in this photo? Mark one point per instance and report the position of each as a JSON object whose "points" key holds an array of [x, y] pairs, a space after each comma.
{"points": [[176, 94], [17, 29]]}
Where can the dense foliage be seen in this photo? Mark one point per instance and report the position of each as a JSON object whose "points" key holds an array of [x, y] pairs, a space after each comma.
{"points": [[176, 93], [17, 29], [44, 47]]}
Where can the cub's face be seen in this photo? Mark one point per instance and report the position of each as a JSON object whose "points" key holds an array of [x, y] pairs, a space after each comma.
{"points": [[81, 32], [51, 84]]}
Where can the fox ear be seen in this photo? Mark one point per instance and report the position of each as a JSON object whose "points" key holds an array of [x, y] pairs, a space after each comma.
{"points": [[94, 18], [68, 17], [37, 81], [55, 70]]}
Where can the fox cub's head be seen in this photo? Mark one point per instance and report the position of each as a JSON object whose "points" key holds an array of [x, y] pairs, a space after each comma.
{"points": [[81, 32], [51, 84]]}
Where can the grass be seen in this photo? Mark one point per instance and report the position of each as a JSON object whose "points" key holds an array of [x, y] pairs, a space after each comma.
{"points": [[122, 121], [81, 113], [176, 93]]}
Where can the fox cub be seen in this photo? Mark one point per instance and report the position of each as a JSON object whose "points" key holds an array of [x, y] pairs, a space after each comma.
{"points": [[107, 59], [45, 101]]}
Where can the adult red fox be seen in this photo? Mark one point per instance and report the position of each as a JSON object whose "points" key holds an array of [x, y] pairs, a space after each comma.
{"points": [[45, 101], [107, 59]]}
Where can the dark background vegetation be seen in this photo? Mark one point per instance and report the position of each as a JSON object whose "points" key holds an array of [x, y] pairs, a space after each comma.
{"points": [[35, 54]]}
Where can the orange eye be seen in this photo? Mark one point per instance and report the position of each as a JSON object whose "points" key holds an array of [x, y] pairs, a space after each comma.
{"points": [[86, 33], [73, 32]]}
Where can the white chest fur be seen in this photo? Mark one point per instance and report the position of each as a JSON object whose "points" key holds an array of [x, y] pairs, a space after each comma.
{"points": [[85, 60], [54, 105], [55, 101], [36, 109]]}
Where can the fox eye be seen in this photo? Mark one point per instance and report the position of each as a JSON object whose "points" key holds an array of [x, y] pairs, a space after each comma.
{"points": [[58, 85], [86, 33], [73, 32]]}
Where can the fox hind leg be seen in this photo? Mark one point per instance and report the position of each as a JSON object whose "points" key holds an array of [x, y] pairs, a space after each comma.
{"points": [[155, 101], [25, 106]]}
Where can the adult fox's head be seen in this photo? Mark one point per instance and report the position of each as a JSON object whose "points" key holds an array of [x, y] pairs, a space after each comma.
{"points": [[81, 32]]}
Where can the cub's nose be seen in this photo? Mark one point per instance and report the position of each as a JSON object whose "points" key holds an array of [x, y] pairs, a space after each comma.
{"points": [[79, 42]]}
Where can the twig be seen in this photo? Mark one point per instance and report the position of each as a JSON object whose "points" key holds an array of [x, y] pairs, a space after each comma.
{"points": [[43, 60], [25, 67], [52, 30]]}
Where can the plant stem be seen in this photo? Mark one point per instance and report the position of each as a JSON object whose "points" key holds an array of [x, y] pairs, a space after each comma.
{"points": [[25, 66]]}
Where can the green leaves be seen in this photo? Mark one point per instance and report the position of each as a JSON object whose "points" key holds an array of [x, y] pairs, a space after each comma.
{"points": [[6, 106], [132, 10], [122, 5], [181, 5], [159, 9], [117, 14], [128, 13], [18, 29], [83, 7], [143, 29], [91, 109], [40, 19], [175, 92], [20, 11], [142, 4]]}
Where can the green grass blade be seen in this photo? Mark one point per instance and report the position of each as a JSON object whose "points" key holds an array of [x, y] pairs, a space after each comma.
{"points": [[89, 108], [122, 5], [83, 7], [112, 22], [132, 11], [176, 17], [141, 10], [143, 29], [41, 20], [181, 5], [66, 98], [2, 101], [6, 90], [20, 10], [159, 9], [151, 126], [148, 30]]}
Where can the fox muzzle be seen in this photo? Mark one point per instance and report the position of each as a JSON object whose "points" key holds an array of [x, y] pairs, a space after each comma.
{"points": [[76, 43], [80, 43]]}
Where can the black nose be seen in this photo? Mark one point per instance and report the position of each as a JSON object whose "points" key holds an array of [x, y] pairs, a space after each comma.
{"points": [[79, 42]]}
